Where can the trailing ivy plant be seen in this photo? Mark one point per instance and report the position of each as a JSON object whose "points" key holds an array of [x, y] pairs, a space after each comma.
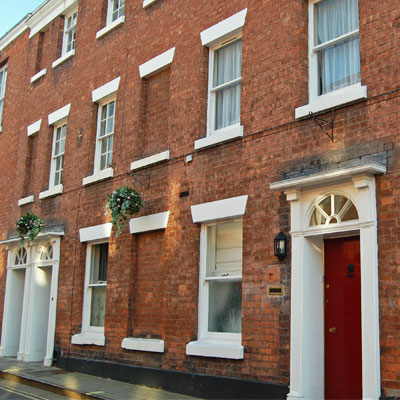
{"points": [[122, 203], [29, 226]]}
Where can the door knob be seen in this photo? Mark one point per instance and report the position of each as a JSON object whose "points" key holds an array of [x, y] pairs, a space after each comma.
{"points": [[332, 330]]}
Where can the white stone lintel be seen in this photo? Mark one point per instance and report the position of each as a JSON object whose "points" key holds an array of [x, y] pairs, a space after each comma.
{"points": [[148, 223], [157, 64], [34, 128], [96, 232], [106, 90], [59, 114], [233, 207], [223, 29], [148, 3]]}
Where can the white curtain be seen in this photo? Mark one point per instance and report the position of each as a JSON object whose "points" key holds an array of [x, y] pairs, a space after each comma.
{"points": [[3, 74], [227, 67], [339, 65]]}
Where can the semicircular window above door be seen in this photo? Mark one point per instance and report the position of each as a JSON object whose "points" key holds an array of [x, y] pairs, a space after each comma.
{"points": [[333, 209]]}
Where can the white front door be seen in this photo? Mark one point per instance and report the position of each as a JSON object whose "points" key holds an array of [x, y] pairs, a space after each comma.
{"points": [[30, 302]]}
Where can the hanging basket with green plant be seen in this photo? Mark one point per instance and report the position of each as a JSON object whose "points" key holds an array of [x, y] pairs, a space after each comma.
{"points": [[29, 225], [122, 203]]}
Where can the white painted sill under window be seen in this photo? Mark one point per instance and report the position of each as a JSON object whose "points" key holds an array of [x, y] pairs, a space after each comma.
{"points": [[110, 27], [63, 58], [151, 160], [25, 200], [37, 76], [89, 338], [98, 176], [334, 99], [221, 136], [139, 344], [214, 348], [51, 192]]}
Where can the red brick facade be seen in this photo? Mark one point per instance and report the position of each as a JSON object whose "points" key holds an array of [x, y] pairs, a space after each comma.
{"points": [[153, 277]]}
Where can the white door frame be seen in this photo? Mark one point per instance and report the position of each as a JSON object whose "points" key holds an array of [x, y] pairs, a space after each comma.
{"points": [[33, 262], [307, 318]]}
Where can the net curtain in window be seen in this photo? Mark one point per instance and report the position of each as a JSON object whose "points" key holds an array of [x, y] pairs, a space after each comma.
{"points": [[339, 64]]}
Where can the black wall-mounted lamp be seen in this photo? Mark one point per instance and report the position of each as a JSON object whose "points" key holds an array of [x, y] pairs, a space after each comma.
{"points": [[280, 246]]}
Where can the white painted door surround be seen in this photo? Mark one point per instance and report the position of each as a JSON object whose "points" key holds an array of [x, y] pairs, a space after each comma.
{"points": [[30, 302], [307, 274]]}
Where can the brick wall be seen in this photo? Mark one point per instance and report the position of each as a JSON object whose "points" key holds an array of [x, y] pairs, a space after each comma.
{"points": [[152, 288]]}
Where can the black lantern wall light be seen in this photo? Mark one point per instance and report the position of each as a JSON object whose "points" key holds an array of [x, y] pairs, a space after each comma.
{"points": [[280, 246]]}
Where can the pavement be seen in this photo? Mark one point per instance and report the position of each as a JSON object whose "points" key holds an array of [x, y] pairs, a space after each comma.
{"points": [[76, 385]]}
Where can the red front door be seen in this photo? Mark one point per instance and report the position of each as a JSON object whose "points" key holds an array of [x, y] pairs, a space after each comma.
{"points": [[343, 367]]}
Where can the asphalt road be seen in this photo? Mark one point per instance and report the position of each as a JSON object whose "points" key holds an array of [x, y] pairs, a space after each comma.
{"points": [[15, 391]]}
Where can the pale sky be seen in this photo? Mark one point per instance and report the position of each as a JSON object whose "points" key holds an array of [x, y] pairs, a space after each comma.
{"points": [[12, 11]]}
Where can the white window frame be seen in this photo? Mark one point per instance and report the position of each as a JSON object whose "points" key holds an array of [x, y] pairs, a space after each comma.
{"points": [[3, 81], [211, 107], [229, 209], [318, 103], [102, 95], [203, 332], [88, 291], [99, 139], [54, 157], [90, 334], [314, 48], [214, 37], [56, 119], [111, 11], [67, 29]]}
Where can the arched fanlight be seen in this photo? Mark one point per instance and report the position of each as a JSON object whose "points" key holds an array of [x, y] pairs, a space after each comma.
{"points": [[21, 256], [332, 209]]}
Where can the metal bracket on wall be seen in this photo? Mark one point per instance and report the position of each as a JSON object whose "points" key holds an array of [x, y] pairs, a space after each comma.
{"points": [[142, 178], [322, 123]]}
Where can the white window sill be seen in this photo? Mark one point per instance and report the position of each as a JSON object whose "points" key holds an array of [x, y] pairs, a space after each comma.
{"points": [[334, 99], [51, 192], [225, 135], [110, 27], [25, 200], [89, 338], [37, 76], [218, 349], [148, 3], [63, 58], [151, 345], [98, 176], [1, 128], [151, 160]]}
